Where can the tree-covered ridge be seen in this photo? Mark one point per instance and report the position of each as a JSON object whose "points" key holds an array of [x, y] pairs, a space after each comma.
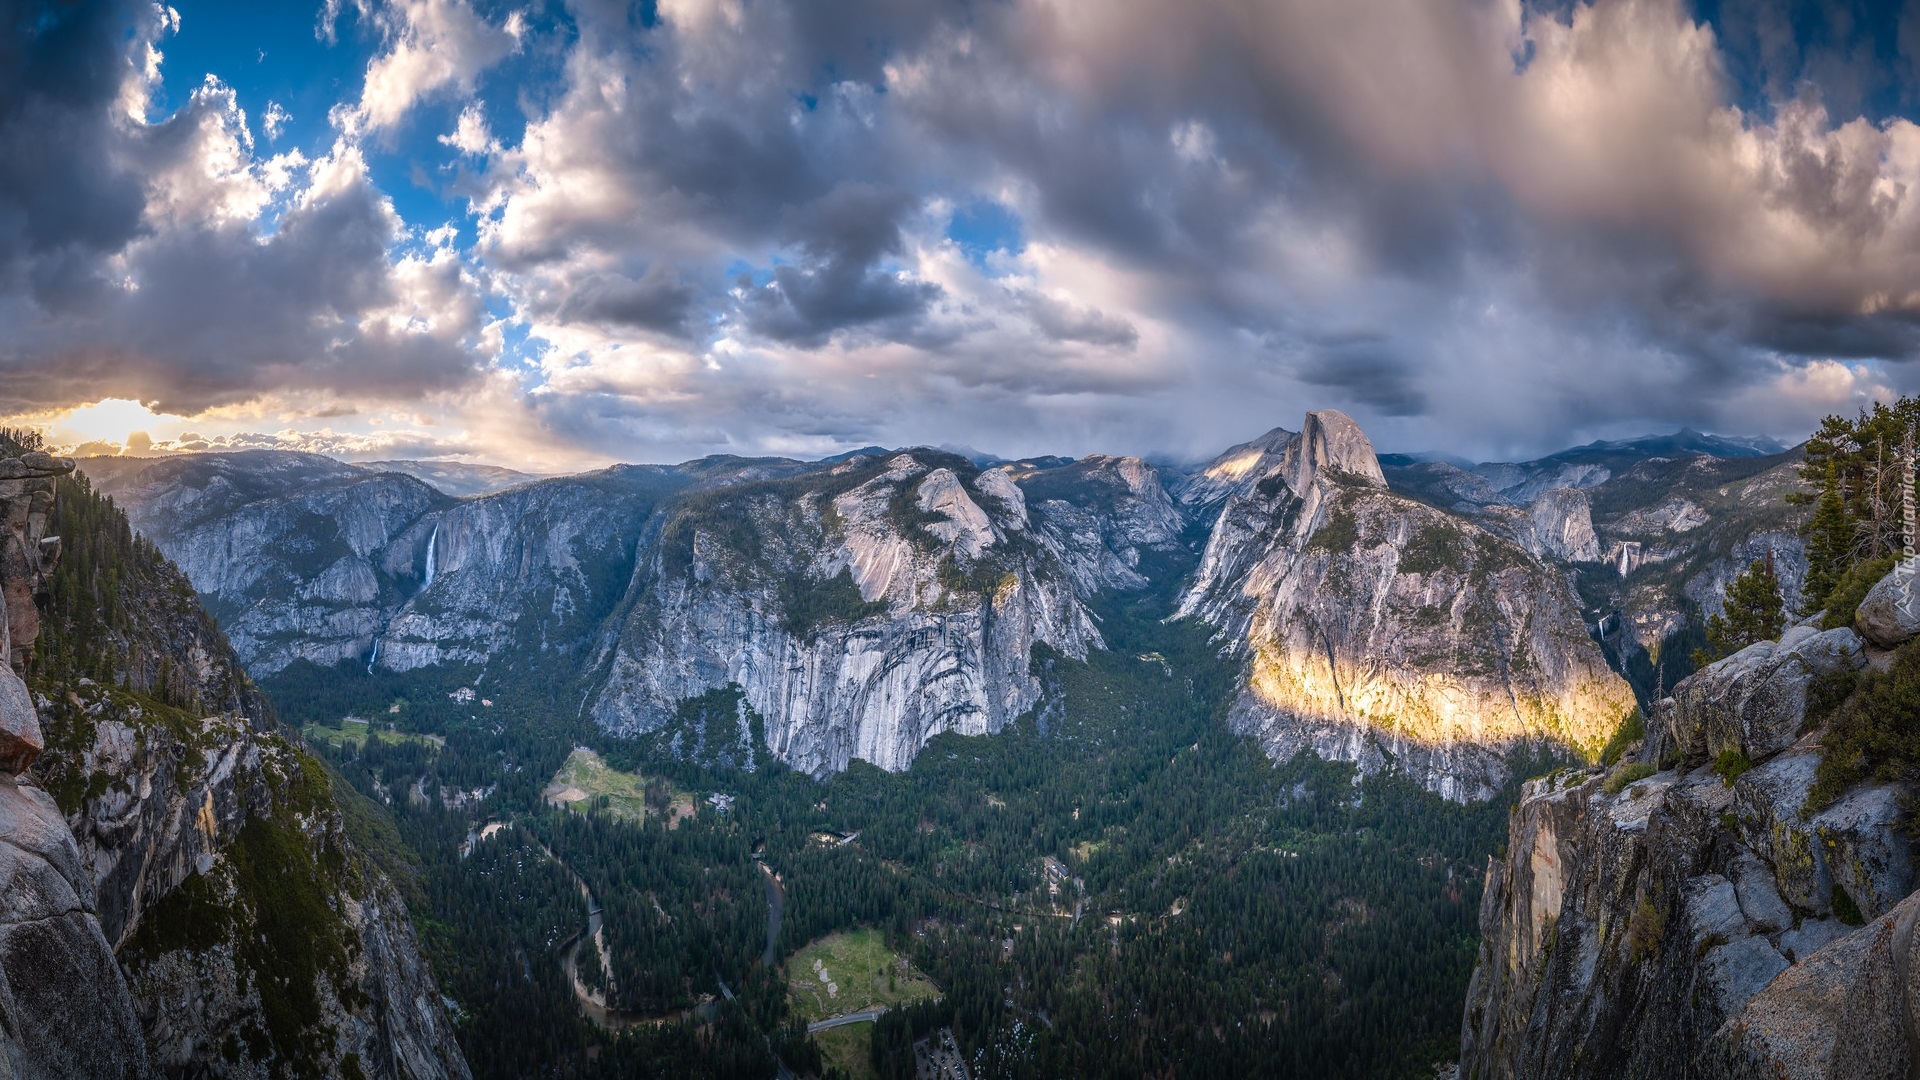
{"points": [[249, 930], [120, 613]]}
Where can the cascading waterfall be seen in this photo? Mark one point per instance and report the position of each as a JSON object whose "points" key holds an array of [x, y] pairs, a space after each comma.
{"points": [[431, 542]]}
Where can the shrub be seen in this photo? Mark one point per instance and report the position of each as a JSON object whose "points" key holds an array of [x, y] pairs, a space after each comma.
{"points": [[1340, 532], [1627, 774], [808, 603], [1844, 908], [1827, 693], [1875, 734], [1730, 764], [1646, 930], [1434, 546], [1852, 588], [1632, 729]]}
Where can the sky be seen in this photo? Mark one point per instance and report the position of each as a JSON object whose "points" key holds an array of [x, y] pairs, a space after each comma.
{"points": [[553, 235]]}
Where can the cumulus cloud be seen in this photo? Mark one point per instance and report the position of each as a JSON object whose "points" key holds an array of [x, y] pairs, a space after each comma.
{"points": [[194, 271], [431, 46], [1479, 225]]}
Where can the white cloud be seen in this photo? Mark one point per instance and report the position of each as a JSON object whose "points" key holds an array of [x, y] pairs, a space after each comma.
{"points": [[470, 135], [274, 121], [431, 46]]}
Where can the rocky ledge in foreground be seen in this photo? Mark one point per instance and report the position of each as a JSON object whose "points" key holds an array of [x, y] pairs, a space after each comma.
{"points": [[1716, 904]]}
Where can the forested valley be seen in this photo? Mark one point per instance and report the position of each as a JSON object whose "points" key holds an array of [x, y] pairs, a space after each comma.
{"points": [[1112, 886]]}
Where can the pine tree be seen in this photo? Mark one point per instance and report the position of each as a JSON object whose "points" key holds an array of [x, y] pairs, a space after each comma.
{"points": [[1829, 542], [1754, 611]]}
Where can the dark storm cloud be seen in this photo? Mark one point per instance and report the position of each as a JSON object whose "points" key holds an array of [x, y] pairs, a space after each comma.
{"points": [[67, 196], [657, 300], [1369, 372], [838, 282]]}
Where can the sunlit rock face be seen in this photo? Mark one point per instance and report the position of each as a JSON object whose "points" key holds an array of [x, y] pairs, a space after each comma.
{"points": [[863, 609], [1236, 470], [1386, 632]]}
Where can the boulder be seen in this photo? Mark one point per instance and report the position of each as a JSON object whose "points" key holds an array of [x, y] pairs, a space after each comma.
{"points": [[64, 1007], [1767, 803], [1713, 910], [1738, 970], [1890, 615], [20, 738], [1759, 897], [1755, 701], [1864, 842], [1811, 936], [1842, 1013]]}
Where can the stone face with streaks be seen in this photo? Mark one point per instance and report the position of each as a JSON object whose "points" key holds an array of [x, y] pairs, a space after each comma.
{"points": [[1377, 629]]}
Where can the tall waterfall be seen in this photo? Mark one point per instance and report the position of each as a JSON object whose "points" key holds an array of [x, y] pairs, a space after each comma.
{"points": [[375, 658], [431, 541]]}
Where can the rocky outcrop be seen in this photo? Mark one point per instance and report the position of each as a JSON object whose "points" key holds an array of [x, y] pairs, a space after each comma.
{"points": [[27, 551], [1100, 515], [1379, 630], [64, 1006], [64, 1003], [256, 941], [1755, 701], [181, 893], [862, 607], [1890, 614], [1670, 923]]}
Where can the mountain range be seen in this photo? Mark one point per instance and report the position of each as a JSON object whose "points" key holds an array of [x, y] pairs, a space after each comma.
{"points": [[239, 911], [1420, 614]]}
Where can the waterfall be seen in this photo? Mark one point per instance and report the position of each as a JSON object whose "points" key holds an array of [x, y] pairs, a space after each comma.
{"points": [[431, 541], [375, 658]]}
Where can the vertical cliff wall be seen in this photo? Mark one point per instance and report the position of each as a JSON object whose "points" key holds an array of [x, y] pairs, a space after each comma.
{"points": [[181, 876], [863, 609], [1697, 910], [1380, 630]]}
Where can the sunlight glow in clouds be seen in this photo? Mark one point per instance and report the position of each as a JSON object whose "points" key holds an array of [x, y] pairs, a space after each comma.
{"points": [[577, 233]]}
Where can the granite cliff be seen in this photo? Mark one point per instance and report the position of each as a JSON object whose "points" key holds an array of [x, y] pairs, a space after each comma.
{"points": [[1717, 903], [862, 607], [1381, 630], [182, 897]]}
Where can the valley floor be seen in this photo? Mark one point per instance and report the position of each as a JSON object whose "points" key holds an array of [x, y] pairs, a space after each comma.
{"points": [[1113, 886]]}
